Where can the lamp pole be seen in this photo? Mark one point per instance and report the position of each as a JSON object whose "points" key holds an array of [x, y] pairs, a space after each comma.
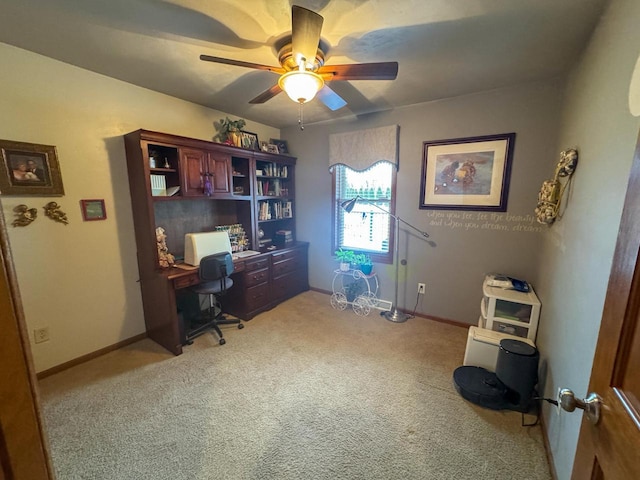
{"points": [[393, 315]]}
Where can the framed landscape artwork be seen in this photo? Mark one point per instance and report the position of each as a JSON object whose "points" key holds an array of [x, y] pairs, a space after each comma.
{"points": [[467, 173], [29, 169]]}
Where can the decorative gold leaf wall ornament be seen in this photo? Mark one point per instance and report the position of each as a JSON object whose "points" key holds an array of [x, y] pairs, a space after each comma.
{"points": [[25, 215], [52, 210], [552, 191]]}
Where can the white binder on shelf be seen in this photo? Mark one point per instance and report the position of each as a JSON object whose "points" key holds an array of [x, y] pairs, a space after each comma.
{"points": [[158, 186]]}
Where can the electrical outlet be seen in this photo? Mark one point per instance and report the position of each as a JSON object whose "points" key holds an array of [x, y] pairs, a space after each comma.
{"points": [[41, 335], [421, 288]]}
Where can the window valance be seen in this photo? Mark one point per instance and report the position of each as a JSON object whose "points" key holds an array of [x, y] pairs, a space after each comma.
{"points": [[361, 149]]}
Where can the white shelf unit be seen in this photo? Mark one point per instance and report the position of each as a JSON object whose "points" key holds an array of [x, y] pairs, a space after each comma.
{"points": [[510, 311]]}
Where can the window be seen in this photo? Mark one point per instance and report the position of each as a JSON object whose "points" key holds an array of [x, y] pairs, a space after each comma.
{"points": [[367, 228]]}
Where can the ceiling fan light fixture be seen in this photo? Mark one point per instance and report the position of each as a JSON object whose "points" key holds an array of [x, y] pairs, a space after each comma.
{"points": [[301, 86]]}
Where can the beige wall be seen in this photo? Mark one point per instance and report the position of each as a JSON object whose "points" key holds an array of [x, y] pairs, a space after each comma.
{"points": [[576, 253], [463, 249], [568, 263], [80, 280]]}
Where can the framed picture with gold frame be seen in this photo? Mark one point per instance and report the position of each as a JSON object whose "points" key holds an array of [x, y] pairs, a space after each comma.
{"points": [[29, 169]]}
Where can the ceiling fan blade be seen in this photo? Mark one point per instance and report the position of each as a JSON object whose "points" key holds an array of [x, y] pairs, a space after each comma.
{"points": [[238, 63], [305, 33], [361, 71], [267, 94], [330, 98]]}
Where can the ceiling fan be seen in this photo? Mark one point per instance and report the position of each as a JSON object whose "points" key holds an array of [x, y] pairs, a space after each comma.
{"points": [[302, 70]]}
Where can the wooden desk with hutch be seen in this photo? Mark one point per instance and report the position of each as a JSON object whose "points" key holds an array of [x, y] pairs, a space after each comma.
{"points": [[245, 184]]}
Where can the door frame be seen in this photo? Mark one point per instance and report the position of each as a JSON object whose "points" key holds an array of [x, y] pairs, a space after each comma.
{"points": [[24, 452], [620, 319]]}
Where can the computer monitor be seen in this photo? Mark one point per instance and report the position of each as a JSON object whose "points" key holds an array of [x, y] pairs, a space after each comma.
{"points": [[199, 245]]}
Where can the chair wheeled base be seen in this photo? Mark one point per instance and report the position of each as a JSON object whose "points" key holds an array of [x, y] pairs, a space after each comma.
{"points": [[214, 274], [210, 323]]}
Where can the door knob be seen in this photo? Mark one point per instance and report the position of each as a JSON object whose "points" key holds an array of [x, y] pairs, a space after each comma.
{"points": [[591, 404]]}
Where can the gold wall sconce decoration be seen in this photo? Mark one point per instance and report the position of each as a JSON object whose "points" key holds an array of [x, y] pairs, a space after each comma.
{"points": [[52, 210], [25, 215], [552, 191]]}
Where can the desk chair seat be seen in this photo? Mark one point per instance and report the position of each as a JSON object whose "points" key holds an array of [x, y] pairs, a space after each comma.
{"points": [[214, 274]]}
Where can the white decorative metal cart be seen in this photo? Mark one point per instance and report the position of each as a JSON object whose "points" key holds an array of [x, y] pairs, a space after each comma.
{"points": [[360, 291]]}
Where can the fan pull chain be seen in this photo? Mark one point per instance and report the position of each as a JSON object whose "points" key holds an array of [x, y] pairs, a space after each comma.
{"points": [[301, 117]]}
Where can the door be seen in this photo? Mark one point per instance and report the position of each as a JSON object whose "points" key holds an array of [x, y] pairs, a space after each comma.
{"points": [[193, 165], [218, 168], [610, 449], [198, 164], [23, 450]]}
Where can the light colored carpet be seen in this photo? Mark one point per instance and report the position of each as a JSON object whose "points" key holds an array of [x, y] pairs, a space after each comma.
{"points": [[302, 392]]}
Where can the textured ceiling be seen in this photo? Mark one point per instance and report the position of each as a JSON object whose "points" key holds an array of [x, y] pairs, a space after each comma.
{"points": [[444, 48]]}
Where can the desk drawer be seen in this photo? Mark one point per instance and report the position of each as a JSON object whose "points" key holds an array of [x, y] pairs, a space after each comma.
{"points": [[287, 285], [186, 281], [257, 297], [286, 266], [256, 277], [280, 256], [256, 264]]}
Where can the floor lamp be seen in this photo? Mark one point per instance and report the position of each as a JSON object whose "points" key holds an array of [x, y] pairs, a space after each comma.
{"points": [[393, 315]]}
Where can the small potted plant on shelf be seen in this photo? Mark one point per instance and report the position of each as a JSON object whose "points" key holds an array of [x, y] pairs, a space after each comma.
{"points": [[363, 263], [229, 131], [346, 258]]}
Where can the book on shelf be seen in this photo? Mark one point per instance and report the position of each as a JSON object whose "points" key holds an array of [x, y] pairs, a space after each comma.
{"points": [[274, 210], [287, 211], [284, 237], [158, 186], [273, 170]]}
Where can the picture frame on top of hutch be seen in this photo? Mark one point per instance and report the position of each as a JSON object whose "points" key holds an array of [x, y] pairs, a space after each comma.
{"points": [[283, 148], [249, 140], [29, 169], [271, 148], [467, 173]]}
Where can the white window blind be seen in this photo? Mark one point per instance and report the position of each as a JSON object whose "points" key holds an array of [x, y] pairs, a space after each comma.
{"points": [[363, 163], [366, 227]]}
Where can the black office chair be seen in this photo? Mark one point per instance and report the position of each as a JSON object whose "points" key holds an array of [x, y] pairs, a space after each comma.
{"points": [[214, 274]]}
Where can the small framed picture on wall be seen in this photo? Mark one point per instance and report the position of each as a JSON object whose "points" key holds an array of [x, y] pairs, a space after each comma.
{"points": [[93, 210]]}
